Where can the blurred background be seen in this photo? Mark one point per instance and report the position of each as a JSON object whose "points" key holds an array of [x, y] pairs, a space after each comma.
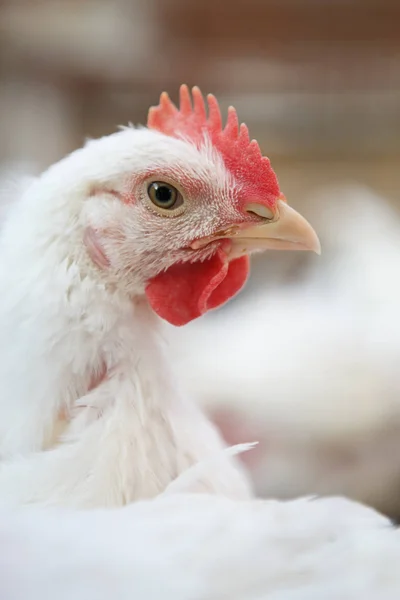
{"points": [[307, 359]]}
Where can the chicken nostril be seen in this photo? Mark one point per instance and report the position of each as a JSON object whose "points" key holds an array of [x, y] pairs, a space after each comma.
{"points": [[260, 210]]}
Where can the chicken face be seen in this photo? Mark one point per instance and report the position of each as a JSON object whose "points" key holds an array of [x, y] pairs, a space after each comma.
{"points": [[179, 223]]}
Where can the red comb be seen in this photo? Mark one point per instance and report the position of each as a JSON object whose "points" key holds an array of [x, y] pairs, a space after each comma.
{"points": [[241, 156]]}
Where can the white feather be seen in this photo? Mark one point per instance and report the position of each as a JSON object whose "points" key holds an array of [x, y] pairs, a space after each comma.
{"points": [[186, 547]]}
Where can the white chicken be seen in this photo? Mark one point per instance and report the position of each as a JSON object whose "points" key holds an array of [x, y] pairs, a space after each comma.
{"points": [[145, 222], [311, 368], [82, 352]]}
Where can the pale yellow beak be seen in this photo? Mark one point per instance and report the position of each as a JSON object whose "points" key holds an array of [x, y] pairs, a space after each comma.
{"points": [[285, 229]]}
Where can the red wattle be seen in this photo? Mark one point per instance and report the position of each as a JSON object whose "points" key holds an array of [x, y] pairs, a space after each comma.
{"points": [[187, 291]]}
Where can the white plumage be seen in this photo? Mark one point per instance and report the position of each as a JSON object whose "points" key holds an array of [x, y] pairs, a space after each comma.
{"points": [[201, 547]]}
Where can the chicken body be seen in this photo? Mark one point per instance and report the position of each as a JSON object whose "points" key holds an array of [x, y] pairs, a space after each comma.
{"points": [[131, 434], [200, 546]]}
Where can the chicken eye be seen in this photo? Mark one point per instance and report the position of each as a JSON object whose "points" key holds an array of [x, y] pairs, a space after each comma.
{"points": [[164, 195]]}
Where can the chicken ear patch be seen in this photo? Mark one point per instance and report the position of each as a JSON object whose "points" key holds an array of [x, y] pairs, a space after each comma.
{"points": [[186, 291]]}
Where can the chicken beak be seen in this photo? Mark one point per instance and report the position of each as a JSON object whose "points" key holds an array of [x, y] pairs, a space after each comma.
{"points": [[286, 230], [283, 229]]}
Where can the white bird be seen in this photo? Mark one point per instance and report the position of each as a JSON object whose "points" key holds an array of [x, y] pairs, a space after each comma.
{"points": [[55, 317], [145, 222], [311, 368]]}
